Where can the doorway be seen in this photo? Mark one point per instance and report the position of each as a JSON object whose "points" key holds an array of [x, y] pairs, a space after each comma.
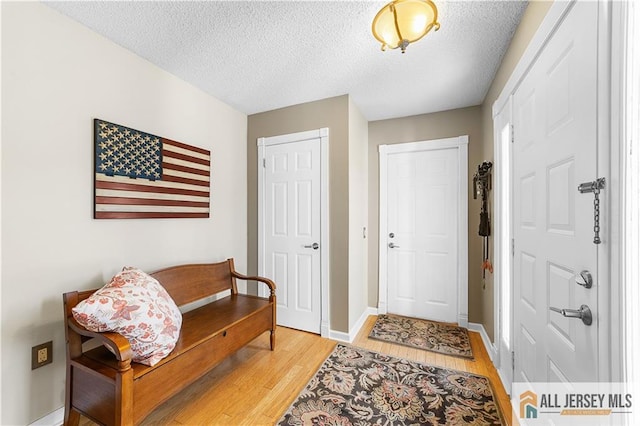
{"points": [[293, 226], [423, 230]]}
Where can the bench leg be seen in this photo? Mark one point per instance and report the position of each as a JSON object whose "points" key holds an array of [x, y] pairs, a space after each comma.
{"points": [[273, 340], [71, 417], [124, 398]]}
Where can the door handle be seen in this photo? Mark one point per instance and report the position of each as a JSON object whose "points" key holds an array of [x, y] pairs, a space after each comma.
{"points": [[584, 313], [391, 245], [314, 246]]}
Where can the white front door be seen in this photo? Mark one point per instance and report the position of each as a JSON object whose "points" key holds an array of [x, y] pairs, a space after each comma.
{"points": [[422, 235], [291, 234], [555, 113]]}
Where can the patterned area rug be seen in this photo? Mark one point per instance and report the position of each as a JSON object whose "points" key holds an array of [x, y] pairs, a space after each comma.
{"points": [[355, 386], [429, 335]]}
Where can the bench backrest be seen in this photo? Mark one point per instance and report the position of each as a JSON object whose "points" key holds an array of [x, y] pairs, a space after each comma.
{"points": [[188, 283], [184, 283]]}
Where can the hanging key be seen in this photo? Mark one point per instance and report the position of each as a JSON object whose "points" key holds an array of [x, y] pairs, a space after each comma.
{"points": [[595, 187]]}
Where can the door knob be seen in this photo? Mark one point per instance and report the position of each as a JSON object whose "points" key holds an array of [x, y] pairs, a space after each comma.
{"points": [[314, 246], [584, 313], [391, 245], [584, 279]]}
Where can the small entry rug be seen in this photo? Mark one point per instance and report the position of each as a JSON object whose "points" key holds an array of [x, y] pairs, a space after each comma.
{"points": [[355, 386], [418, 333]]}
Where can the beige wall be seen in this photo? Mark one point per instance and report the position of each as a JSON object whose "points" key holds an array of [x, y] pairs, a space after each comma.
{"points": [[466, 121], [533, 16], [334, 114], [358, 214], [57, 76]]}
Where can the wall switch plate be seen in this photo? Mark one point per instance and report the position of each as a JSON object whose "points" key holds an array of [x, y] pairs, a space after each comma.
{"points": [[41, 355]]}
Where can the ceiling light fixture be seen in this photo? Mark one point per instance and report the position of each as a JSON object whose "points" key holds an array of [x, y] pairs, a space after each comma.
{"points": [[402, 22]]}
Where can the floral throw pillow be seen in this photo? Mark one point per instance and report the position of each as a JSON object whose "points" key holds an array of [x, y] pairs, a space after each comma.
{"points": [[135, 305]]}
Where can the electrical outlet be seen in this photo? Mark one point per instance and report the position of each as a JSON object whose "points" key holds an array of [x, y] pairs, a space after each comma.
{"points": [[41, 355]]}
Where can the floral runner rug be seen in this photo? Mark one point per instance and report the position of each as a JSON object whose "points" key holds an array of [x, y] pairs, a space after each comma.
{"points": [[418, 333], [355, 386]]}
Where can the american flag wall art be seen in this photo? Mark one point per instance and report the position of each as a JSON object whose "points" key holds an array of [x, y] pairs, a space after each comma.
{"points": [[141, 176]]}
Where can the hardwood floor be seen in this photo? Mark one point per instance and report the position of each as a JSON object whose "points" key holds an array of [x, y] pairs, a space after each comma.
{"points": [[255, 386]]}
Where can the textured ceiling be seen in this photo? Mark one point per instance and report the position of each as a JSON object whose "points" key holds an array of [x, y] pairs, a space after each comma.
{"points": [[260, 55]]}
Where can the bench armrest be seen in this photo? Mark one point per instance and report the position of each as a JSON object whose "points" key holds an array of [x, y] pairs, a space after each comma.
{"points": [[118, 344], [267, 281]]}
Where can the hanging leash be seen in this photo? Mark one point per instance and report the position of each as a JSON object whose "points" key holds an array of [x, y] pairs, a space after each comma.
{"points": [[481, 187]]}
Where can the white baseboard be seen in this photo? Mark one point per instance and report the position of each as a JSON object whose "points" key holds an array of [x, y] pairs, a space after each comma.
{"points": [[463, 320], [502, 379], [491, 350], [351, 335], [358, 325], [340, 336], [55, 418], [325, 331]]}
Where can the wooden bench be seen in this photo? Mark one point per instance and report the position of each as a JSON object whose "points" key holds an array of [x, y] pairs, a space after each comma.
{"points": [[110, 389]]}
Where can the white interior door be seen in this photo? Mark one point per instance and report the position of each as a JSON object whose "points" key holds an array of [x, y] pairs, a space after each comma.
{"points": [[291, 238], [422, 233], [555, 149]]}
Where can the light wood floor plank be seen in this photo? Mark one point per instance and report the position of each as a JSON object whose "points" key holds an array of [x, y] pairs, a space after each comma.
{"points": [[255, 386]]}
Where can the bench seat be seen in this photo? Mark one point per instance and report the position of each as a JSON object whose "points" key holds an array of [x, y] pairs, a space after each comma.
{"points": [[198, 326]]}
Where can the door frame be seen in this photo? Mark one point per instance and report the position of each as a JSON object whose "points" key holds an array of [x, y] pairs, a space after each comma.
{"points": [[322, 136], [625, 128], [609, 300], [503, 231], [460, 143]]}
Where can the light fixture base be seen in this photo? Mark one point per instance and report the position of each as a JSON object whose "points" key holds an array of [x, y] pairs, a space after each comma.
{"points": [[403, 45]]}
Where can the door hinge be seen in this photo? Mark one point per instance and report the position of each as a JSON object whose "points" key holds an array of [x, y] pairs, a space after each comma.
{"points": [[264, 163], [513, 361], [512, 137], [513, 247]]}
